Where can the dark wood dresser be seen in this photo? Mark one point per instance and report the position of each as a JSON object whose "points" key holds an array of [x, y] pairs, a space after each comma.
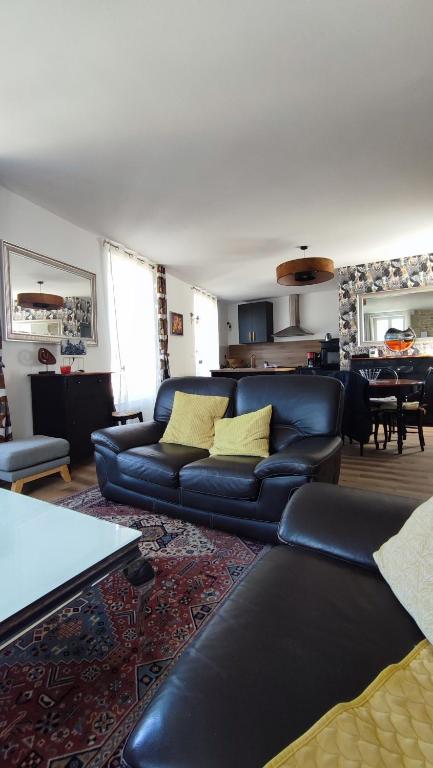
{"points": [[72, 407]]}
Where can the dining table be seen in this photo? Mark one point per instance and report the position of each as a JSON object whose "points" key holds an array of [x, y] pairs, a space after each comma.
{"points": [[400, 389]]}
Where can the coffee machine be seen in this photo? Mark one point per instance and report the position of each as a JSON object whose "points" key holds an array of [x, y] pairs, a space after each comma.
{"points": [[330, 353]]}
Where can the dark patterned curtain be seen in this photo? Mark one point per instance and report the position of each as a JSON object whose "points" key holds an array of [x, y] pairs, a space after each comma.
{"points": [[161, 291], [5, 419]]}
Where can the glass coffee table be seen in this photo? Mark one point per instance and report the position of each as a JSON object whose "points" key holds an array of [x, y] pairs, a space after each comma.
{"points": [[49, 554]]}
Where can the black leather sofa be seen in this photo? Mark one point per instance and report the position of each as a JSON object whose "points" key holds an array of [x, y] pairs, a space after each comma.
{"points": [[311, 625], [357, 423], [243, 494]]}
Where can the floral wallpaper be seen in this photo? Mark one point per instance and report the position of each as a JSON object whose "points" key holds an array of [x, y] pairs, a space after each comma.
{"points": [[412, 272], [76, 315]]}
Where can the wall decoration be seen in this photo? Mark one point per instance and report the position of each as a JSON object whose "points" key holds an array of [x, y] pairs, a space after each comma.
{"points": [[46, 358], [65, 305], [161, 293], [411, 272], [72, 349], [176, 324]]}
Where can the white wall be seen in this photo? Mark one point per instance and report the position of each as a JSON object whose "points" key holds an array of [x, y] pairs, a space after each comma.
{"points": [[318, 312], [30, 226], [181, 348]]}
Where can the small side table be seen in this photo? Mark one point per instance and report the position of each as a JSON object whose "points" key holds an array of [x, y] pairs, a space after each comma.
{"points": [[121, 417]]}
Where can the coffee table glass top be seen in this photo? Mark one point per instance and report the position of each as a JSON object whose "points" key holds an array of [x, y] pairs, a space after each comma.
{"points": [[43, 546]]}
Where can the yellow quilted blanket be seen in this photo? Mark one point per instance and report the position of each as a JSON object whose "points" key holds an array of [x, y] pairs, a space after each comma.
{"points": [[390, 725]]}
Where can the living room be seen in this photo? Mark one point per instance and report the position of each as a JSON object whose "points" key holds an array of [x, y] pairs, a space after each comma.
{"points": [[216, 384]]}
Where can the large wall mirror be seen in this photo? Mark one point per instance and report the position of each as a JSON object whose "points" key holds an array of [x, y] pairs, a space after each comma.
{"points": [[395, 309], [45, 299]]}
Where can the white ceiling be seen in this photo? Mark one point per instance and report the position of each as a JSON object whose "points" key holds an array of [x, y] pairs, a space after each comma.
{"points": [[216, 135]]}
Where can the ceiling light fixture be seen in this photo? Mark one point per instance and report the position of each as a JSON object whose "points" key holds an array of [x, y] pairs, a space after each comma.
{"points": [[305, 271], [40, 300]]}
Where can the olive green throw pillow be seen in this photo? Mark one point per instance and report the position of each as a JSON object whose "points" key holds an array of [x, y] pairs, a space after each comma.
{"points": [[246, 435], [192, 420]]}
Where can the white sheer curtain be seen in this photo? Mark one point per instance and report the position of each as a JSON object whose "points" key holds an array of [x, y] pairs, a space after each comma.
{"points": [[205, 332], [133, 330]]}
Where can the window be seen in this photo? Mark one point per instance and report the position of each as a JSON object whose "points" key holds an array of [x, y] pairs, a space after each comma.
{"points": [[383, 322], [205, 333], [133, 330]]}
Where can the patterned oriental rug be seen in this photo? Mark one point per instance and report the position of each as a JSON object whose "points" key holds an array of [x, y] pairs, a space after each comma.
{"points": [[72, 688]]}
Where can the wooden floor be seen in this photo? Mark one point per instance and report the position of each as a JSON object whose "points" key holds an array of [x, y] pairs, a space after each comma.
{"points": [[410, 474], [52, 488]]}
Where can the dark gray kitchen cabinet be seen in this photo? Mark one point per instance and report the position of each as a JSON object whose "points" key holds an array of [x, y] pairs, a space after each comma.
{"points": [[256, 322]]}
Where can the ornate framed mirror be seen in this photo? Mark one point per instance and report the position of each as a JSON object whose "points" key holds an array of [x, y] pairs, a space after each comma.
{"points": [[46, 300], [403, 308]]}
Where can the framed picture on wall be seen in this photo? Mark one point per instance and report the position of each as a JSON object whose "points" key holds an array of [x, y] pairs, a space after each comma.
{"points": [[176, 324]]}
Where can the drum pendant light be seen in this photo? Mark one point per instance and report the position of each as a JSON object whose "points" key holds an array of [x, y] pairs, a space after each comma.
{"points": [[305, 271], [40, 300]]}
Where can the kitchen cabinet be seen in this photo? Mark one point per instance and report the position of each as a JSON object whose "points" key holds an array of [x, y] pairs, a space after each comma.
{"points": [[256, 322]]}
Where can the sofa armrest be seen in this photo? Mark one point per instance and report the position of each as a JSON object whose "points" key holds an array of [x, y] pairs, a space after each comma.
{"points": [[123, 438], [304, 457], [343, 522]]}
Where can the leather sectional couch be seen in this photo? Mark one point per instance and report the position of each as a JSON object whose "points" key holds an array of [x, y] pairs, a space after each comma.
{"points": [[311, 625], [357, 422], [243, 494]]}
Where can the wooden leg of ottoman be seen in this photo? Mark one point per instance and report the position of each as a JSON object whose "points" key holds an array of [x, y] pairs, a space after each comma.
{"points": [[64, 471], [17, 485]]}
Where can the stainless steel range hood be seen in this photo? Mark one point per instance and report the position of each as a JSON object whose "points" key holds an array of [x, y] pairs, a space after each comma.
{"points": [[294, 329]]}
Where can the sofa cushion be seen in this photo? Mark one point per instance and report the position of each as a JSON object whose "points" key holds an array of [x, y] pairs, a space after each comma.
{"points": [[194, 385], [228, 476], [192, 421], [406, 562], [302, 406], [246, 435], [18, 454], [159, 463]]}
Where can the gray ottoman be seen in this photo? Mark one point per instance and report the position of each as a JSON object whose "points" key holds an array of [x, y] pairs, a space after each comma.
{"points": [[32, 458]]}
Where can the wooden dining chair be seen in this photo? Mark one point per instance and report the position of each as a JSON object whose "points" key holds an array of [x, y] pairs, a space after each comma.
{"points": [[414, 411], [378, 406]]}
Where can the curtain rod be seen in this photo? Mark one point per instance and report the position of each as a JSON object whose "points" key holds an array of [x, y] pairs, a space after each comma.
{"points": [[130, 252], [205, 293]]}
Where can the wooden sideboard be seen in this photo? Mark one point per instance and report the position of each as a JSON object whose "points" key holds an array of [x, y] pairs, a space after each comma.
{"points": [[72, 407]]}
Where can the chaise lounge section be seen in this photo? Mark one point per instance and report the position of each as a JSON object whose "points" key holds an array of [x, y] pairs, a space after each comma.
{"points": [[242, 494], [310, 626]]}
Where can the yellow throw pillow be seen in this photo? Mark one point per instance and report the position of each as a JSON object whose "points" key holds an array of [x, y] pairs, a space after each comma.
{"points": [[246, 435], [192, 420], [406, 563]]}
